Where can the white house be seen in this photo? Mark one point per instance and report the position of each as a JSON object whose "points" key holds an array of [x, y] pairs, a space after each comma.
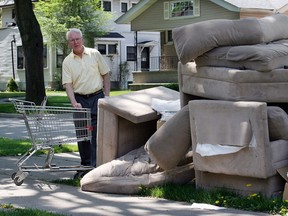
{"points": [[139, 50], [120, 46]]}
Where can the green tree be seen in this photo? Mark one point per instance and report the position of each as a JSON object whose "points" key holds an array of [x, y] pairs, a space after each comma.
{"points": [[56, 17], [32, 42]]}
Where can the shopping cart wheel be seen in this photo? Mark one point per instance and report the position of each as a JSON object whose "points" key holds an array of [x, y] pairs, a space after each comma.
{"points": [[17, 182], [13, 175]]}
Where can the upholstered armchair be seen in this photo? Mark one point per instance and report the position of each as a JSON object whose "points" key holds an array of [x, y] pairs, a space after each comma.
{"points": [[236, 147]]}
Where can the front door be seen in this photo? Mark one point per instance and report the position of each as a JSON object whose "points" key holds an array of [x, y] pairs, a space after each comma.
{"points": [[145, 56]]}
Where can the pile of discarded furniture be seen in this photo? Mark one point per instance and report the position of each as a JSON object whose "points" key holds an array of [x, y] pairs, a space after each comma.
{"points": [[239, 131], [233, 81]]}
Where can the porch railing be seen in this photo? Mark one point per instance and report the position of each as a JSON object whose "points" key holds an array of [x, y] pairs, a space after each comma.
{"points": [[159, 63]]}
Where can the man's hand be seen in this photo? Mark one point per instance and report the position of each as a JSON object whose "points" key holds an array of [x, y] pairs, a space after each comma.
{"points": [[76, 105]]}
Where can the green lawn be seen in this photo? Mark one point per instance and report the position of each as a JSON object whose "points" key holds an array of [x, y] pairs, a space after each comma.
{"points": [[219, 197], [14, 147], [10, 210], [55, 98], [11, 94]]}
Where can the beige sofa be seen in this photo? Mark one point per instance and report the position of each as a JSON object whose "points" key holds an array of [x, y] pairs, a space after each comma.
{"points": [[223, 83], [231, 147]]}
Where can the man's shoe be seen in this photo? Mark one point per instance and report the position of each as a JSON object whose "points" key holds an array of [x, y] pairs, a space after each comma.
{"points": [[80, 174]]}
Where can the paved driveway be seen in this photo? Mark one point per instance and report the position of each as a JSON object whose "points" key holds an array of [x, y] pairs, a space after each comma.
{"points": [[13, 128]]}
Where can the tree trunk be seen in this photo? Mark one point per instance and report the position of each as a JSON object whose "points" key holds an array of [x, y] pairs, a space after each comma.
{"points": [[32, 42]]}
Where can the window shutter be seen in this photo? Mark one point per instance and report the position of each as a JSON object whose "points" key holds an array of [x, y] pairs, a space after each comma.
{"points": [[166, 10], [196, 7]]}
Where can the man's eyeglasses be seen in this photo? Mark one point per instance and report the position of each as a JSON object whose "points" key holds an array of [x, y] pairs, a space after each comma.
{"points": [[75, 40]]}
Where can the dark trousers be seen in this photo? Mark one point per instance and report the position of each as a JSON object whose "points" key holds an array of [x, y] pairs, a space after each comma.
{"points": [[88, 149]]}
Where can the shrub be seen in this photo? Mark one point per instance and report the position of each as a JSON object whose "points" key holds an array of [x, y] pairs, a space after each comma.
{"points": [[173, 86], [12, 86]]}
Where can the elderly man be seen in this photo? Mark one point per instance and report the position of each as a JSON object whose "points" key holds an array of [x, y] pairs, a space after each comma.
{"points": [[85, 76]]}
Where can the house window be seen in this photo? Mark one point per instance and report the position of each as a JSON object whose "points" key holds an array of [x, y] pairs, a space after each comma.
{"points": [[112, 49], [21, 58], [107, 49], [181, 9], [107, 6], [131, 53], [102, 48], [59, 58], [124, 7]]}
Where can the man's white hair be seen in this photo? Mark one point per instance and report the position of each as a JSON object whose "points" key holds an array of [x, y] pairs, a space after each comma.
{"points": [[73, 30]]}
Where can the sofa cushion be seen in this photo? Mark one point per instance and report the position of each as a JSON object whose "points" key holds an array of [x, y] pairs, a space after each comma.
{"points": [[274, 27], [233, 84], [259, 57], [126, 175], [195, 39], [171, 141], [277, 123]]}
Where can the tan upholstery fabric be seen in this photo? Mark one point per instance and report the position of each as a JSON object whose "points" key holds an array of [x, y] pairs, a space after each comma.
{"points": [[195, 39], [232, 84], [136, 106], [171, 141], [252, 161], [279, 149], [126, 122], [244, 185], [259, 57], [277, 123], [274, 27], [125, 175], [225, 128], [255, 165]]}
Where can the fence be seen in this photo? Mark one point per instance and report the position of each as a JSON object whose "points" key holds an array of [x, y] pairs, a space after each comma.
{"points": [[160, 63]]}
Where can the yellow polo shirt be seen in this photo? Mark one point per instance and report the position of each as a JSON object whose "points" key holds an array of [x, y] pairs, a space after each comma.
{"points": [[84, 73]]}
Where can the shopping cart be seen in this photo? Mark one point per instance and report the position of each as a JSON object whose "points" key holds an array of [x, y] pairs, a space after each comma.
{"points": [[47, 127]]}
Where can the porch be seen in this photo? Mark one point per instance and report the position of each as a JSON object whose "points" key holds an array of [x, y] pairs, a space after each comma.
{"points": [[157, 71]]}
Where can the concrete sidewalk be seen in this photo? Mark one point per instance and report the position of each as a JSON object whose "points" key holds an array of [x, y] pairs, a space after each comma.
{"points": [[38, 192]]}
